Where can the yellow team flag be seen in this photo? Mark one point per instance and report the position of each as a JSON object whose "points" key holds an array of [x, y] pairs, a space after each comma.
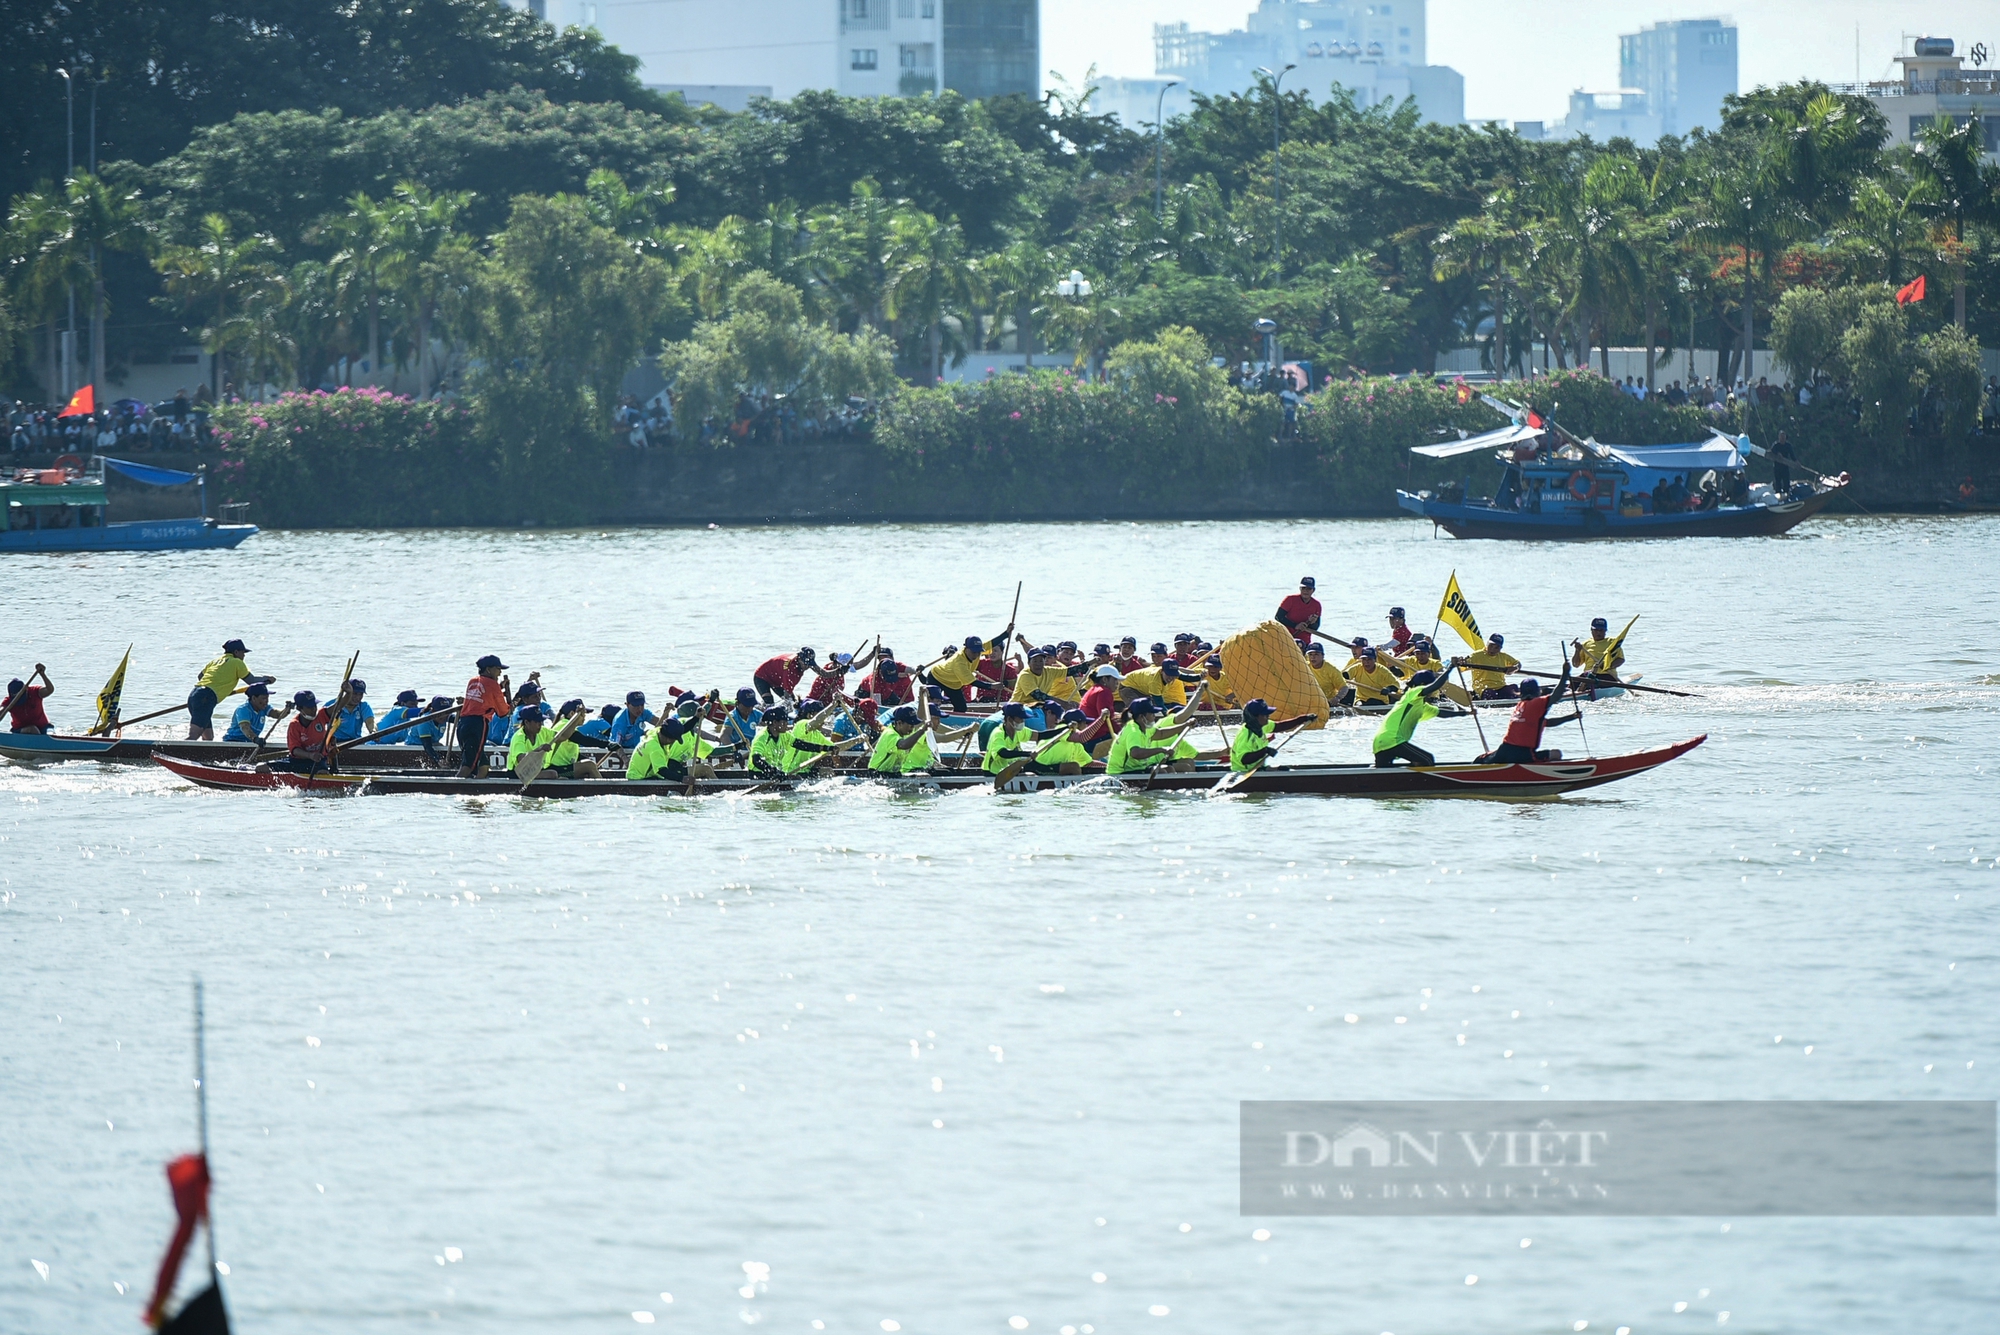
{"points": [[1611, 649], [107, 699], [1457, 613]]}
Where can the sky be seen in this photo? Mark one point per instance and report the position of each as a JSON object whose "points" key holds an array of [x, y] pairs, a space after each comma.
{"points": [[1522, 58]]}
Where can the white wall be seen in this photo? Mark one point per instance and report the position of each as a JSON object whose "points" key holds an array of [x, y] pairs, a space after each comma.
{"points": [[786, 45]]}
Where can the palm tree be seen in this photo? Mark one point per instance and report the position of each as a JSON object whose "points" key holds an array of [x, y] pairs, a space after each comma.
{"points": [[222, 278], [362, 234], [1020, 279], [1884, 217], [852, 247], [933, 277], [1947, 162], [424, 257], [101, 220], [43, 264]]}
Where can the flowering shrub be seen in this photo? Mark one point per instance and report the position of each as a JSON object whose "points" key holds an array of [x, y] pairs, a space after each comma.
{"points": [[1361, 432], [356, 457]]}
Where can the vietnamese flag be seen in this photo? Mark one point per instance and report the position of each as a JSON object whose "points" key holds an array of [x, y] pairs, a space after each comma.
{"points": [[1534, 419], [84, 401], [1909, 292], [188, 1176]]}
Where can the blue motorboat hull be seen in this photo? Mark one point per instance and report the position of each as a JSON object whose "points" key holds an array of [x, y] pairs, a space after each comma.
{"points": [[142, 535], [1579, 524]]}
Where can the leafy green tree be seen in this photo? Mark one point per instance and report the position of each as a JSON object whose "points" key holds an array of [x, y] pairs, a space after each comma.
{"points": [[1957, 187], [766, 346], [427, 262], [559, 313], [1951, 362], [1885, 372], [1807, 327]]}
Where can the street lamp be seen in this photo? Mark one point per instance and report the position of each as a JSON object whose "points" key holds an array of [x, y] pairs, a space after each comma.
{"points": [[1159, 148], [69, 335], [1278, 172], [1269, 329], [1076, 285]]}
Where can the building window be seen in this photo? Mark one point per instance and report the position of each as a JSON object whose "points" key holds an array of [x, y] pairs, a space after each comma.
{"points": [[930, 9], [1402, 32], [906, 9], [857, 9], [1404, 48], [862, 58]]}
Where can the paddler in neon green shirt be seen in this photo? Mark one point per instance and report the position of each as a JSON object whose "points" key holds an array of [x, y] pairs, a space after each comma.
{"points": [[1257, 738], [905, 745], [1399, 725], [784, 750], [1009, 742], [1144, 742], [1062, 755]]}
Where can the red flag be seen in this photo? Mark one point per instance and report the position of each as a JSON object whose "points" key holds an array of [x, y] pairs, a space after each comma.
{"points": [[84, 401], [188, 1176], [1909, 292], [1534, 419]]}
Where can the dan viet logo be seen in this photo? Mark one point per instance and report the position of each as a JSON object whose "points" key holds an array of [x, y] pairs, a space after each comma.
{"points": [[1364, 1146]]}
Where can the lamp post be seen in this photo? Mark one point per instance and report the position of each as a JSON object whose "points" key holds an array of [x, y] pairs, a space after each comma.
{"points": [[1076, 287], [1278, 171], [1159, 149], [69, 170]]}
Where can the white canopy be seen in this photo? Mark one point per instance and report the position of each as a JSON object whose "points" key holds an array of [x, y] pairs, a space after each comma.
{"points": [[1491, 440], [1690, 459]]}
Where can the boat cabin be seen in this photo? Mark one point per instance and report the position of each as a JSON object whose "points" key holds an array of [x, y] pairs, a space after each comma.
{"points": [[52, 498]]}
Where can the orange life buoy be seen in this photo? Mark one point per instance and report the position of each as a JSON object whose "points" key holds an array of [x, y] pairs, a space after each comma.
{"points": [[1582, 484], [72, 462]]}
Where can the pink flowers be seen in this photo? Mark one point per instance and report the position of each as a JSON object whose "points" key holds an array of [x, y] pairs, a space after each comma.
{"points": [[1014, 417]]}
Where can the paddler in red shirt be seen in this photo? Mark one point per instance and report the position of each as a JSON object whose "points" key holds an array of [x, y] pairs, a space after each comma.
{"points": [[1400, 634], [1530, 718], [1100, 706], [1127, 658], [780, 676], [487, 696], [890, 684], [305, 735], [1300, 612], [24, 702]]}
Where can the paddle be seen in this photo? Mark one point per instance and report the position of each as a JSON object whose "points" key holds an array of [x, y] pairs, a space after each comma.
{"points": [[328, 753], [1185, 715], [400, 727], [1596, 680], [26, 682], [1012, 770], [101, 729], [1230, 782], [535, 761]]}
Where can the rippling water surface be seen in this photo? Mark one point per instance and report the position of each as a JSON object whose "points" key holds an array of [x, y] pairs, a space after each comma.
{"points": [[942, 1062]]}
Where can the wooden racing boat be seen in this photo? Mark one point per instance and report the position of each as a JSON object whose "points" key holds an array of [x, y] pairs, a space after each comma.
{"points": [[33, 748], [1541, 779]]}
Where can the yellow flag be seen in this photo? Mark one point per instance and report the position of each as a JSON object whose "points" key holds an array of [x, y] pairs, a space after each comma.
{"points": [[1457, 613], [1611, 650], [107, 699]]}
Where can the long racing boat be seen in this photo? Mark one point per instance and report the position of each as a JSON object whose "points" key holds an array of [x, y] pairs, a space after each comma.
{"points": [[1540, 779]]}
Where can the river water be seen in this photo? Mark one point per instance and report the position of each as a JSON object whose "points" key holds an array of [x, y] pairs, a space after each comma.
{"points": [[942, 1062]]}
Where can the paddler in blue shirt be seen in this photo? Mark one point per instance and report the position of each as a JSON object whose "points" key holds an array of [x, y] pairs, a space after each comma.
{"points": [[358, 717], [254, 715], [739, 725], [628, 729]]}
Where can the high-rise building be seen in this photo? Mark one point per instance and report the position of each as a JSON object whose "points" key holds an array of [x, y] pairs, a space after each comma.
{"points": [[1685, 67], [728, 54], [1376, 49], [993, 47]]}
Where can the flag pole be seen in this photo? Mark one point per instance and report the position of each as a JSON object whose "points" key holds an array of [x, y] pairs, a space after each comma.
{"points": [[201, 1109]]}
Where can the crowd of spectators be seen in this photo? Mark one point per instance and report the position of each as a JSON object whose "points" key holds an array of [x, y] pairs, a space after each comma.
{"points": [[127, 425], [757, 419]]}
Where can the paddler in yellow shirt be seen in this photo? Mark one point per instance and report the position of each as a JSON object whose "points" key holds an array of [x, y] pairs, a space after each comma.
{"points": [[1489, 670], [1332, 681], [1600, 655], [1218, 692], [1424, 657], [1373, 682], [1045, 680], [955, 673], [1164, 679]]}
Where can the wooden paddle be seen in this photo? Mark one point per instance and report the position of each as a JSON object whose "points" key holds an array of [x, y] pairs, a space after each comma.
{"points": [[1230, 782], [537, 760], [143, 718], [328, 752]]}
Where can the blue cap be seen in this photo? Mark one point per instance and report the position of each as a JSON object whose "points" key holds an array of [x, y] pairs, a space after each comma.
{"points": [[777, 714], [527, 689], [254, 688], [904, 714], [1170, 671], [1496, 639], [568, 705], [1146, 704], [635, 697], [689, 703], [1075, 716], [1185, 637], [492, 661], [1396, 614], [974, 643], [746, 696], [1066, 644], [306, 700], [1159, 647], [358, 686], [402, 697], [1013, 710], [1308, 582], [438, 702], [1256, 707]]}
